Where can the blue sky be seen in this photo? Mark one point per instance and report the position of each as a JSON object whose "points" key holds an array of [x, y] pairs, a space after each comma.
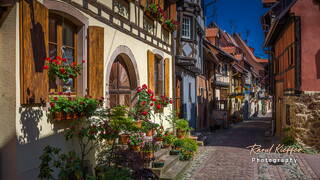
{"points": [[239, 16]]}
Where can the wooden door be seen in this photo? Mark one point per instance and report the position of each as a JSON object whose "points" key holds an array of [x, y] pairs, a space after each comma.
{"points": [[120, 87], [178, 96]]}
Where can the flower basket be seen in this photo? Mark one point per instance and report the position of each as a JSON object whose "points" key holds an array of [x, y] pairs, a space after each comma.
{"points": [[124, 138], [166, 27], [135, 148], [158, 164]]}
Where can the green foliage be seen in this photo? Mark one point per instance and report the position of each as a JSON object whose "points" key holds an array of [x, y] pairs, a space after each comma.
{"points": [[135, 139], [119, 120], [304, 149], [168, 139], [115, 173], [148, 125], [78, 105], [178, 143], [69, 165], [189, 145], [288, 140], [183, 125]]}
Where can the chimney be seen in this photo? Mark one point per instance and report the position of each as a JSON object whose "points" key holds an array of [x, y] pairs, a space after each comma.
{"points": [[212, 34]]}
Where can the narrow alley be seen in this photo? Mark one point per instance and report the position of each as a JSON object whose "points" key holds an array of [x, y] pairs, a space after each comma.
{"points": [[226, 156]]}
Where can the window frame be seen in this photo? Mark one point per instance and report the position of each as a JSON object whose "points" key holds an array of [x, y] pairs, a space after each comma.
{"points": [[60, 44], [159, 62], [189, 37], [122, 2]]}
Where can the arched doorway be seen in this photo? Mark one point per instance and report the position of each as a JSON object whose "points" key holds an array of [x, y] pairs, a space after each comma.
{"points": [[122, 81]]}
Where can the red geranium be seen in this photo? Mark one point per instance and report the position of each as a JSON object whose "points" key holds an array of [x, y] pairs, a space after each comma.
{"points": [[45, 67], [144, 113], [144, 86], [158, 106]]}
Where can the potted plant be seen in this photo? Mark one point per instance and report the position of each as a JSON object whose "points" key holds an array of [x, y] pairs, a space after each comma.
{"points": [[154, 11], [161, 102], [168, 140], [188, 148], [135, 142], [182, 126], [148, 150], [177, 144], [158, 163], [61, 68], [149, 127], [170, 25], [144, 102]]}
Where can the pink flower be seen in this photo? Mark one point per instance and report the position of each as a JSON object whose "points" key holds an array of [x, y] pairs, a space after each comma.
{"points": [[60, 93], [83, 61]]}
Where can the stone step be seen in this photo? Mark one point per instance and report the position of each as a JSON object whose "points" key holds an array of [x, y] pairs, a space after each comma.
{"points": [[161, 153], [169, 161], [200, 143], [175, 171]]}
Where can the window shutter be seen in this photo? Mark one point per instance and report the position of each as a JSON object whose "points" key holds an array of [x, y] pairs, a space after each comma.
{"points": [[151, 70], [173, 11], [161, 3], [167, 77], [95, 61], [34, 48], [143, 3]]}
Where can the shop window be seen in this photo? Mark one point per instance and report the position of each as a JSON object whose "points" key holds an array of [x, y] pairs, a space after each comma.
{"points": [[62, 42]]}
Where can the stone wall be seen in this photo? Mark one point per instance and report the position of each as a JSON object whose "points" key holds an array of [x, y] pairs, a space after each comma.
{"points": [[305, 119]]}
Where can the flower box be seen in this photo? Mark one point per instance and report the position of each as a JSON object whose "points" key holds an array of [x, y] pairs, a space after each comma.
{"points": [[158, 138], [60, 116]]}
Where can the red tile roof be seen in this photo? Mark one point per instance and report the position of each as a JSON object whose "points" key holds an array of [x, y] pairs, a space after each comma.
{"points": [[260, 60], [212, 32]]}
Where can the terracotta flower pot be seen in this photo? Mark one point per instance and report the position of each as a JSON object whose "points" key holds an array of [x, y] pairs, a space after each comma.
{"points": [[124, 138], [166, 145], [58, 116], [136, 148], [149, 133], [180, 134], [148, 155], [138, 124]]}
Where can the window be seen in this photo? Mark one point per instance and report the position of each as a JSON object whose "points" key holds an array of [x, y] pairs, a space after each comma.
{"points": [[121, 7], [62, 42], [186, 27], [190, 96], [148, 25], [158, 76]]}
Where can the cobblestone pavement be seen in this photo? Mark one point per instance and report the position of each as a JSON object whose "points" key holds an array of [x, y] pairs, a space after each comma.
{"points": [[225, 157]]}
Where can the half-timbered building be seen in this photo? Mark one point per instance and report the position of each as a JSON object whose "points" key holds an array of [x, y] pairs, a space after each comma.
{"points": [[188, 57], [292, 37]]}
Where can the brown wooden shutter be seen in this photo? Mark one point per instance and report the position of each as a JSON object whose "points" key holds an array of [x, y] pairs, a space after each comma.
{"points": [[151, 70], [34, 47], [173, 11], [143, 3], [167, 77], [95, 61], [161, 3]]}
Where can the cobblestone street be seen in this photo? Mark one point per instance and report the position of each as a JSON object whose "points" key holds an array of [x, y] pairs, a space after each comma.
{"points": [[225, 157]]}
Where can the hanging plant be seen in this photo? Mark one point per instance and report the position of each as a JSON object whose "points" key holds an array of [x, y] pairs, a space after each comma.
{"points": [[60, 68], [154, 11], [170, 25]]}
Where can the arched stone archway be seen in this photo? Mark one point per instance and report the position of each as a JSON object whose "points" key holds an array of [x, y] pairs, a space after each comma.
{"points": [[122, 77]]}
